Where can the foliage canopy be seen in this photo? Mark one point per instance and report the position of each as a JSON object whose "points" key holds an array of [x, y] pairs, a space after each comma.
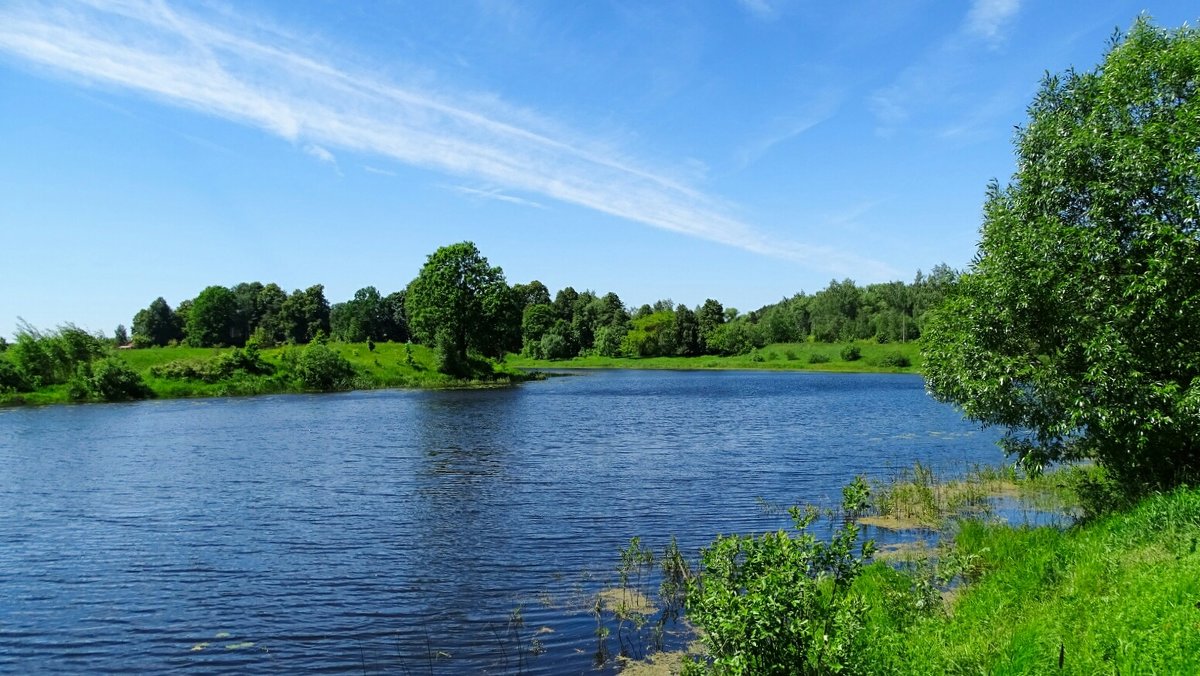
{"points": [[460, 303], [1076, 328]]}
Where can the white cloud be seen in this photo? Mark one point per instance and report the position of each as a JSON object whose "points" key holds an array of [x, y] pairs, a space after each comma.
{"points": [[495, 194], [759, 8], [940, 73], [320, 153], [230, 67], [987, 19], [376, 170], [786, 127]]}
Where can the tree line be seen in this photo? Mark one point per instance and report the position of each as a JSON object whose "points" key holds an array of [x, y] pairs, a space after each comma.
{"points": [[461, 305]]}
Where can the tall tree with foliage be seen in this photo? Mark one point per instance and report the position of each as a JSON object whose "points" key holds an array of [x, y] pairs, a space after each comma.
{"points": [[156, 324], [460, 303], [213, 319], [305, 314], [1076, 328]]}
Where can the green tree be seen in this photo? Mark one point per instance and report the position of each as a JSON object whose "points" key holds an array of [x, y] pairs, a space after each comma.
{"points": [[395, 318], [270, 328], [247, 314], [305, 314], [834, 311], [213, 318], [536, 321], [533, 293], [687, 332], [458, 295], [359, 319], [156, 324], [183, 312], [651, 336], [710, 316], [564, 303], [1075, 329]]}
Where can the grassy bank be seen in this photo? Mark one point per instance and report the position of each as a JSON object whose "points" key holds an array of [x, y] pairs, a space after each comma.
{"points": [[873, 358], [1119, 595], [389, 365], [1116, 594]]}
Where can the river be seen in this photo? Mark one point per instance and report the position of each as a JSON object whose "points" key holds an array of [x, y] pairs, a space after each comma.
{"points": [[397, 531]]}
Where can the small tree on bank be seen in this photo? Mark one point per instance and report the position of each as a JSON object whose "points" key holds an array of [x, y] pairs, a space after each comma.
{"points": [[1078, 326]]}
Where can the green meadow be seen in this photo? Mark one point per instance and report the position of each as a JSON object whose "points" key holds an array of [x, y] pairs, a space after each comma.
{"points": [[873, 357]]}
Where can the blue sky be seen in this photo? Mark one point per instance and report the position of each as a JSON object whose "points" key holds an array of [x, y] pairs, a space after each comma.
{"points": [[740, 150]]}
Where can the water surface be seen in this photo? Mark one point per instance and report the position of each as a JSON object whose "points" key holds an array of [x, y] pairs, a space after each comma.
{"points": [[396, 531]]}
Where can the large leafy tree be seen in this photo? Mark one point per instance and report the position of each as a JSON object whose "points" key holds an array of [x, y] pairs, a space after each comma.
{"points": [[304, 314], [213, 318], [156, 324], [1078, 326], [460, 303]]}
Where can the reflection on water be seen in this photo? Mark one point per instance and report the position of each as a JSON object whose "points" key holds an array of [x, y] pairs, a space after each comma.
{"points": [[392, 531]]}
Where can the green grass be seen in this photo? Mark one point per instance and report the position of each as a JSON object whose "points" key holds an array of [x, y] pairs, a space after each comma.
{"points": [[774, 357], [385, 367], [1118, 595]]}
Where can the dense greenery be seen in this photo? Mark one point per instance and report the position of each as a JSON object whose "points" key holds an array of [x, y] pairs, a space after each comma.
{"points": [[460, 304], [1076, 328], [463, 308], [780, 604]]}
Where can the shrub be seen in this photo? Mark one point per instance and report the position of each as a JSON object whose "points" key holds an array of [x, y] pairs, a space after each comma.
{"points": [[780, 603], [114, 380], [555, 346], [893, 359], [851, 353], [319, 367], [11, 379], [818, 358], [247, 360]]}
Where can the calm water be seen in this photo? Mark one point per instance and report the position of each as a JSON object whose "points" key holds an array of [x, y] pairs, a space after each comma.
{"points": [[369, 531]]}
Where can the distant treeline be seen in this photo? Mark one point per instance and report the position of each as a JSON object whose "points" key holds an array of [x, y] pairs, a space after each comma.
{"points": [[526, 318]]}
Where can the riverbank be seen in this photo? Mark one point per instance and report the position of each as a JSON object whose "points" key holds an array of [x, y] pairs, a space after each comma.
{"points": [[865, 357], [182, 372], [1117, 593]]}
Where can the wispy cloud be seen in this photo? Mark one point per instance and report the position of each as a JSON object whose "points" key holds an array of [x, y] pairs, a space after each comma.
{"points": [[760, 8], [988, 18], [376, 170], [495, 194], [942, 71], [786, 127], [320, 153], [230, 67]]}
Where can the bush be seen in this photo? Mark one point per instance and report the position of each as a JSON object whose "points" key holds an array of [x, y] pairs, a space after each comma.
{"points": [[107, 379], [893, 359], [11, 379], [247, 361], [818, 358], [780, 603], [554, 346], [321, 368], [851, 353], [114, 380]]}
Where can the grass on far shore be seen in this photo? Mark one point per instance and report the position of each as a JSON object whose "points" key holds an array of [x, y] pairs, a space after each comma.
{"points": [[388, 366], [774, 357]]}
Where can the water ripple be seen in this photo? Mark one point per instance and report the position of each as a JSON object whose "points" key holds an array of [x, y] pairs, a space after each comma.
{"points": [[393, 531]]}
